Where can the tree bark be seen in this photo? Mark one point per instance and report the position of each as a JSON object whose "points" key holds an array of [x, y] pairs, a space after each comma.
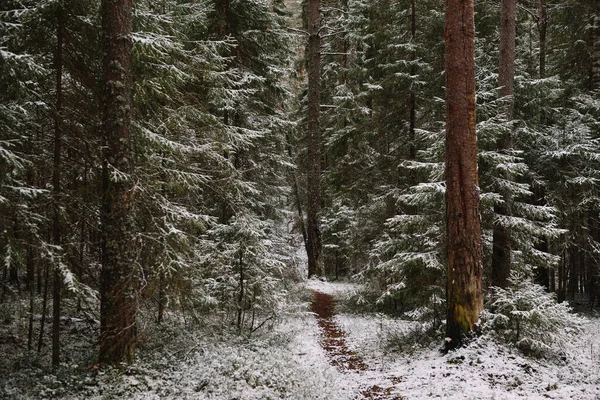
{"points": [[596, 49], [82, 234], [465, 266], [313, 242], [240, 305], [118, 303], [162, 299], [31, 310], [44, 307], [413, 72], [30, 267], [501, 250], [594, 216], [296, 193], [542, 23]]}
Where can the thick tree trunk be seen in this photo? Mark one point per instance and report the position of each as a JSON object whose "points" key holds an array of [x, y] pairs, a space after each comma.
{"points": [[223, 12], [118, 304], [313, 232], [56, 190], [465, 266], [501, 250]]}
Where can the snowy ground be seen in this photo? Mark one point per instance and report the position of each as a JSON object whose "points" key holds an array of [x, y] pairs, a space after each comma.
{"points": [[287, 362], [484, 370]]}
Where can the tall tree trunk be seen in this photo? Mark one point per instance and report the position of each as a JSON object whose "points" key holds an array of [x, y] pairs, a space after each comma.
{"points": [[44, 307], [162, 299], [501, 250], [561, 290], [593, 266], [39, 279], [240, 305], [13, 270], [82, 237], [118, 295], [30, 265], [413, 72], [465, 265], [313, 242], [30, 261], [542, 22], [596, 49], [593, 215], [56, 190], [296, 194]]}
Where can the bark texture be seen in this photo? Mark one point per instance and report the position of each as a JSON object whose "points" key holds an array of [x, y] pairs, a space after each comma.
{"points": [[117, 281], [465, 267], [596, 49], [313, 231], [501, 251], [542, 22], [413, 72]]}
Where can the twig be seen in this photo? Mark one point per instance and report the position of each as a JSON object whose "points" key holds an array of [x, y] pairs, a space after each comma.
{"points": [[262, 323], [297, 30]]}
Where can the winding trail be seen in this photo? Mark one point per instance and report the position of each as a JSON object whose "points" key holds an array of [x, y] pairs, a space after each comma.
{"points": [[333, 341]]}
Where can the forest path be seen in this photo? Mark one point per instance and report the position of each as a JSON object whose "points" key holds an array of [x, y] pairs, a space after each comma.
{"points": [[333, 341]]}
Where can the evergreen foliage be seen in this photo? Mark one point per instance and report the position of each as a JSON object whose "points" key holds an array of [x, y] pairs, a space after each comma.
{"points": [[530, 317], [219, 159]]}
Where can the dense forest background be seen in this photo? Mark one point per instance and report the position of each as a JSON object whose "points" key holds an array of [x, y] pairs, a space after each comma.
{"points": [[225, 159]]}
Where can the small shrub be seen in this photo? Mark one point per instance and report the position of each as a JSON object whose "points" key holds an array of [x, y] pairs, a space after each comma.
{"points": [[420, 336], [530, 317]]}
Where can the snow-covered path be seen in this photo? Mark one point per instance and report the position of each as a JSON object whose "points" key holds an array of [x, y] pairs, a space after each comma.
{"points": [[290, 360], [334, 343], [483, 370]]}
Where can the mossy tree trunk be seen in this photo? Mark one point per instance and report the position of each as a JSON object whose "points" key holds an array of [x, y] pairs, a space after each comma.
{"points": [[118, 303], [465, 266]]}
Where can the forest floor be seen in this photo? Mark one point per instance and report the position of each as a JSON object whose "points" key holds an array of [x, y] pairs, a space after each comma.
{"points": [[485, 369], [317, 349]]}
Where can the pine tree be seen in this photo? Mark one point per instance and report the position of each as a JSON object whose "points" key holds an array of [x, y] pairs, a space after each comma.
{"points": [[313, 190], [21, 221], [118, 281], [56, 178], [501, 257], [465, 269], [52, 78]]}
